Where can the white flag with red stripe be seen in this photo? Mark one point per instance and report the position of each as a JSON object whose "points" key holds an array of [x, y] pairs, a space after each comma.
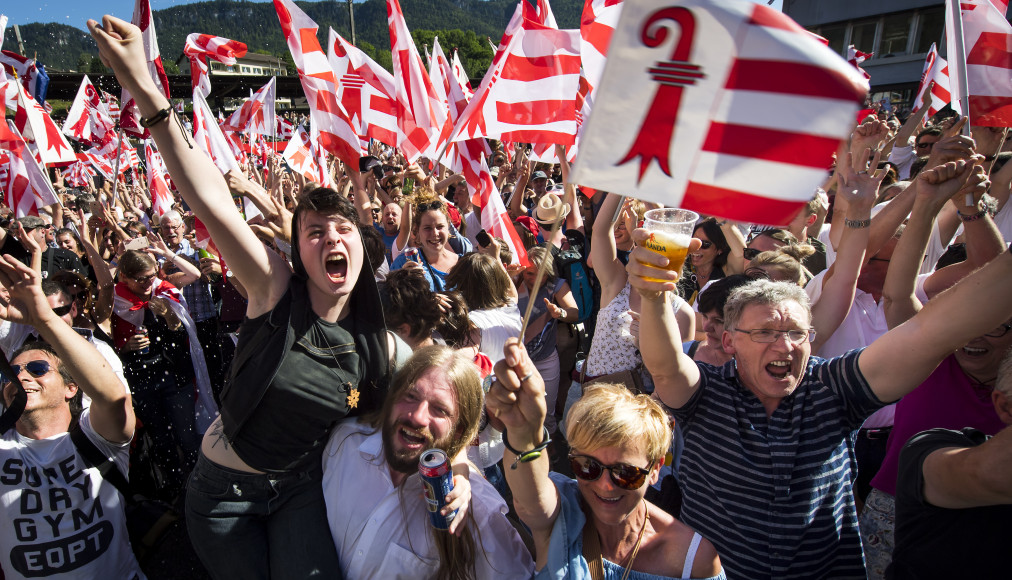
{"points": [[200, 47], [687, 114], [130, 117], [540, 12], [40, 132], [21, 68], [936, 70], [208, 136], [855, 57], [441, 75], [421, 116], [597, 24], [27, 186], [300, 156], [99, 161], [529, 93], [365, 89], [285, 128], [1001, 6], [987, 39], [111, 106], [460, 74], [337, 134], [78, 174], [88, 120], [257, 114], [158, 180]]}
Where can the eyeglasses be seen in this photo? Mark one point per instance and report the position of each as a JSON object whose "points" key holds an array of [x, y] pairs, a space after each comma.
{"points": [[1000, 331], [705, 244], [42, 227], [144, 279], [171, 227], [36, 368], [63, 310], [623, 475], [435, 205], [766, 335], [750, 253]]}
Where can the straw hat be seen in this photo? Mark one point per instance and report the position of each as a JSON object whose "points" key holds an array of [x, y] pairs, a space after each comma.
{"points": [[548, 207]]}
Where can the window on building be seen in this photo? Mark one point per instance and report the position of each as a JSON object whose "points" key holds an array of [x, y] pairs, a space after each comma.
{"points": [[895, 34], [929, 29], [244, 69], [835, 35], [862, 36]]}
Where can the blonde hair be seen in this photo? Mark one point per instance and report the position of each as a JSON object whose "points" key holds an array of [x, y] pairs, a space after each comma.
{"points": [[788, 259], [608, 415], [537, 256]]}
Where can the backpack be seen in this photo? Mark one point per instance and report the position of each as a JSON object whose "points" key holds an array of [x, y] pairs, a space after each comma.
{"points": [[573, 268]]}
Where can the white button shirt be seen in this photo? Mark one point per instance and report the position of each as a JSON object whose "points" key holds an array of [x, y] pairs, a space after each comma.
{"points": [[383, 532]]}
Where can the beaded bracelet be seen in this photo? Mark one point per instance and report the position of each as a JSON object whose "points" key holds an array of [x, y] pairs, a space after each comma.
{"points": [[857, 223], [527, 456], [972, 217]]}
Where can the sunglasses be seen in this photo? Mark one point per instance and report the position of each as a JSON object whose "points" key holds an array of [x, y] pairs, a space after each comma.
{"points": [[36, 368], [63, 310], [705, 244], [144, 279], [435, 205], [622, 475], [750, 253]]}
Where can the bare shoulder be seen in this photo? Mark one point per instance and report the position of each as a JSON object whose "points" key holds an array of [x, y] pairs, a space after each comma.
{"points": [[672, 544]]}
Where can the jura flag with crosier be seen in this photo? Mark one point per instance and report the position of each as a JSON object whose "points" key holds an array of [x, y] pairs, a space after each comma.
{"points": [[725, 107]]}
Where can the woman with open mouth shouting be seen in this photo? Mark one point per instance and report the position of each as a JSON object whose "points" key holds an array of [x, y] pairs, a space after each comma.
{"points": [[313, 350]]}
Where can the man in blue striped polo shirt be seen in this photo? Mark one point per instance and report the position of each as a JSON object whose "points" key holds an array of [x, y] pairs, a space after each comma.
{"points": [[768, 464]]}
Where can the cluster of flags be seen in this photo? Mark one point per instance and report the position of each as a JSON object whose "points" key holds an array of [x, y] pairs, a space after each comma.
{"points": [[666, 102]]}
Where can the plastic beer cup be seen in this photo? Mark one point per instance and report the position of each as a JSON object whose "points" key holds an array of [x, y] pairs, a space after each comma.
{"points": [[670, 231]]}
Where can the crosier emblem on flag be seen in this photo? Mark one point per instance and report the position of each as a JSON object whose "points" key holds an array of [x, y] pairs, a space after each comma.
{"points": [[653, 141], [746, 148]]}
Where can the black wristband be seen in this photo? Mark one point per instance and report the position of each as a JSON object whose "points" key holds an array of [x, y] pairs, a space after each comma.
{"points": [[527, 456], [148, 122]]}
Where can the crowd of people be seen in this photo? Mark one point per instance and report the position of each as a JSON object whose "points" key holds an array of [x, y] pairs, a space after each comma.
{"points": [[823, 399]]}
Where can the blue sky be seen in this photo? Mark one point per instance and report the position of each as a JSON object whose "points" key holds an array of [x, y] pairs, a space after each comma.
{"points": [[77, 12]]}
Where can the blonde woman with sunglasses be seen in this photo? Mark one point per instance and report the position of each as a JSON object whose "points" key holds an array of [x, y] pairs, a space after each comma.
{"points": [[599, 524]]}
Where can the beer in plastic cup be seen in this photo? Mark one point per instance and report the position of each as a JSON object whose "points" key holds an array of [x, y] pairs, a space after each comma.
{"points": [[670, 231]]}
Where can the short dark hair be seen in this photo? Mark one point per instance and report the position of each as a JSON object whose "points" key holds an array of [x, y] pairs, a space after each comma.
{"points": [[482, 282], [715, 295], [52, 287], [375, 249], [408, 299], [322, 200]]}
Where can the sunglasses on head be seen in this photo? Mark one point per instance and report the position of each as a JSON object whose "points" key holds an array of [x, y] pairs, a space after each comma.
{"points": [[36, 368], [622, 475], [435, 205], [705, 244], [750, 253], [63, 310]]}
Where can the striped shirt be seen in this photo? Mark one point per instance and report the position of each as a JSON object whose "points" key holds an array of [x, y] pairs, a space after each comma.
{"points": [[774, 494]]}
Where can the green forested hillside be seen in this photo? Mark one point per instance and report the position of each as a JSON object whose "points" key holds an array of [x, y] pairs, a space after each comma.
{"points": [[459, 23]]}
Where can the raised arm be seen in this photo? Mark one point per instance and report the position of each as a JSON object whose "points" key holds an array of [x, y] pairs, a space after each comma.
{"points": [[574, 221], [977, 304], [518, 410], [264, 274], [112, 413], [675, 375], [603, 252]]}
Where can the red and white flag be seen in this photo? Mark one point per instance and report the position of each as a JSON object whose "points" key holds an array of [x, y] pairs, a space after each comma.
{"points": [[21, 68], [855, 57], [337, 134], [529, 93], [111, 106], [420, 115], [365, 89], [935, 69], [460, 74], [300, 156], [200, 47], [696, 123], [208, 136], [88, 120], [441, 75], [285, 128], [130, 117], [99, 161], [27, 186], [40, 132], [158, 180], [987, 39], [540, 12], [257, 115], [600, 17], [1001, 6], [78, 174]]}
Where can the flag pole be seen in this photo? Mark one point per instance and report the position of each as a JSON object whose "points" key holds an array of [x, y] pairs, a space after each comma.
{"points": [[115, 169], [956, 42]]}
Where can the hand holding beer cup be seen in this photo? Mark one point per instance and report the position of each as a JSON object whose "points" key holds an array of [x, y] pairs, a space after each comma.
{"points": [[669, 231], [653, 272]]}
